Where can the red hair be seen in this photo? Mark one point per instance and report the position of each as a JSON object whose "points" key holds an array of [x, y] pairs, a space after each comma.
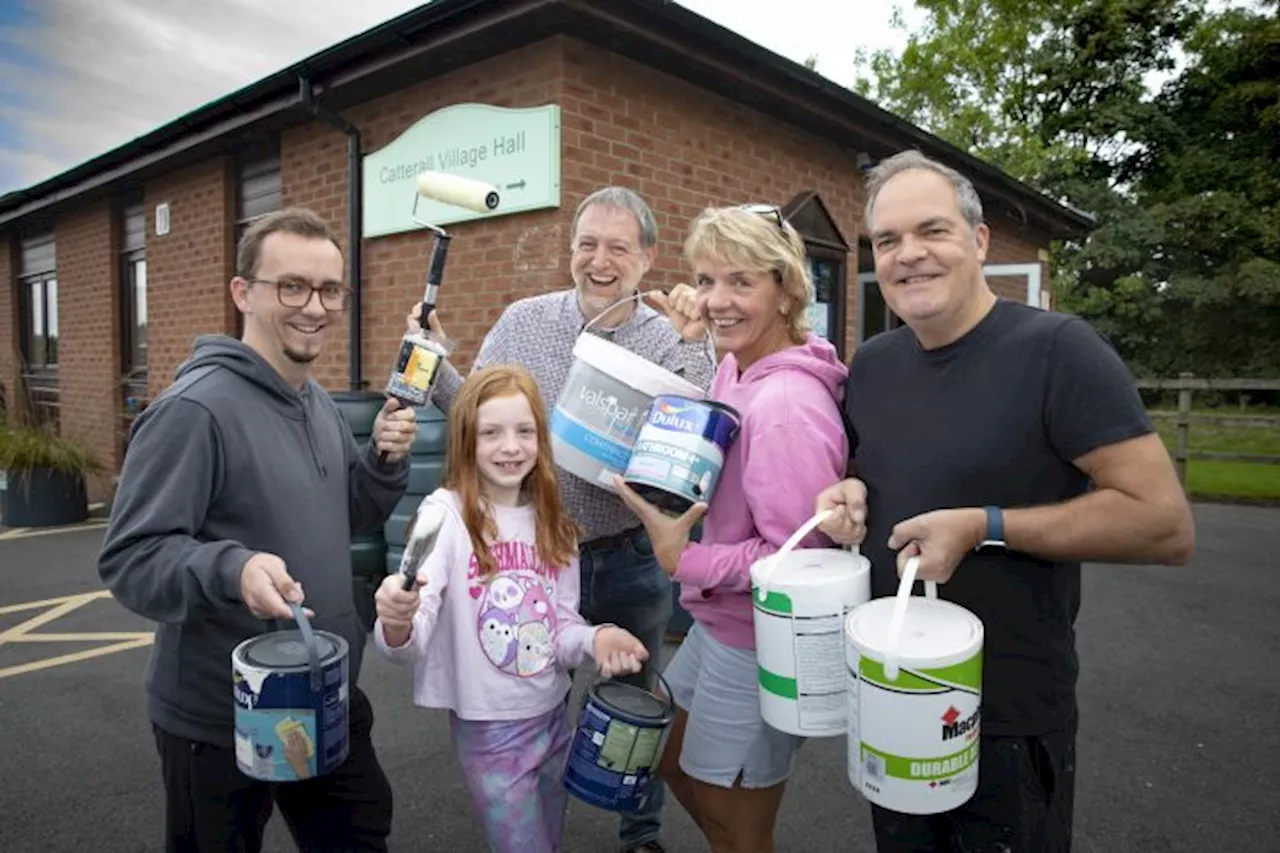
{"points": [[557, 535]]}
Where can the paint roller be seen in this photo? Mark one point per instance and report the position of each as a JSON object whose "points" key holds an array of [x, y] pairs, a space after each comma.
{"points": [[423, 533], [459, 192]]}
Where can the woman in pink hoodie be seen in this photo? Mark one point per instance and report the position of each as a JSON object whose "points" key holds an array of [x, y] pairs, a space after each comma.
{"points": [[751, 290]]}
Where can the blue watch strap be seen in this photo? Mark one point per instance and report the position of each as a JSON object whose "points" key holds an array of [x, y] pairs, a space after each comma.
{"points": [[995, 524]]}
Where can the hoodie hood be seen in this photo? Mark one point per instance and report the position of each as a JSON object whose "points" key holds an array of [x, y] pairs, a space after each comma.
{"points": [[212, 352], [243, 360], [816, 357]]}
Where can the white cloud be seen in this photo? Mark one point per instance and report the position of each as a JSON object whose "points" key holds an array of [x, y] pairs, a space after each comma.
{"points": [[112, 71]]}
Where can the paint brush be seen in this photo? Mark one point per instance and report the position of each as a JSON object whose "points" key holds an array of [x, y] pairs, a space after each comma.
{"points": [[423, 532]]}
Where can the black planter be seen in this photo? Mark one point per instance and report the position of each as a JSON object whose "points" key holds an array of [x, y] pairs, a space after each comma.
{"points": [[43, 498]]}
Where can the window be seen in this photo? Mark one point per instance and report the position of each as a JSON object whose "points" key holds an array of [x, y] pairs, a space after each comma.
{"points": [[133, 294], [258, 188], [825, 251], [874, 315], [39, 292], [38, 301], [258, 192]]}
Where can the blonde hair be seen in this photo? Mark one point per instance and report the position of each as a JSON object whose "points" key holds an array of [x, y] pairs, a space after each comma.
{"points": [[557, 535], [757, 242]]}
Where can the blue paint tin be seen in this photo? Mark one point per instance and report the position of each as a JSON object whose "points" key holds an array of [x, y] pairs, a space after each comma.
{"points": [[680, 451], [291, 698], [613, 760]]}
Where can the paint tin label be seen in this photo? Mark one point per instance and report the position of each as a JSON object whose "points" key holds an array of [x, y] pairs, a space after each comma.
{"points": [[285, 731], [415, 371], [814, 646], [680, 451], [913, 742], [613, 760]]}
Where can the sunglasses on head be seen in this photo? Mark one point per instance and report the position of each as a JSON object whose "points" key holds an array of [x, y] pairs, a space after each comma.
{"points": [[769, 211]]}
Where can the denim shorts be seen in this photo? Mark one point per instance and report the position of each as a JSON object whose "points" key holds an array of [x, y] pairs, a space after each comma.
{"points": [[726, 738]]}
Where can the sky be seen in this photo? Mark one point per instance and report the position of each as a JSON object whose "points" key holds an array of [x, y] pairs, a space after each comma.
{"points": [[81, 77]]}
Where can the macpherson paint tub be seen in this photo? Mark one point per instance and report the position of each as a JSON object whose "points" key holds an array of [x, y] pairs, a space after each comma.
{"points": [[914, 704]]}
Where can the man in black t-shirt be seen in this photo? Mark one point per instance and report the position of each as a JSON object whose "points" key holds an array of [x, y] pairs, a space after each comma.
{"points": [[1001, 445]]}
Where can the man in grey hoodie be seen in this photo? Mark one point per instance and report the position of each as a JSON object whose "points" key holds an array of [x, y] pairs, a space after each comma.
{"points": [[239, 495]]}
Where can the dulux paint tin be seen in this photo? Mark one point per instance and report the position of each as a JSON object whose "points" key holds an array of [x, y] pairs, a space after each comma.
{"points": [[680, 451], [613, 758], [914, 704], [291, 699], [603, 405]]}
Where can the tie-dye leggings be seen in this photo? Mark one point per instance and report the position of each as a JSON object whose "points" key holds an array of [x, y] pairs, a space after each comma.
{"points": [[514, 771]]}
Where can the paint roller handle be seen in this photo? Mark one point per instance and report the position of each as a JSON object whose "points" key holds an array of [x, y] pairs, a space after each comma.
{"points": [[766, 571], [435, 274], [309, 640], [905, 583]]}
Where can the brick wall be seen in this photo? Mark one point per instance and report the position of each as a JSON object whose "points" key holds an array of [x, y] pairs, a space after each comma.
{"points": [[490, 262], [188, 269], [313, 173], [88, 335], [1015, 245], [685, 149]]}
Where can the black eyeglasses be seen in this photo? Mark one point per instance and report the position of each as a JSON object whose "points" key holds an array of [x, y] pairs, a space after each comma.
{"points": [[296, 293], [768, 211]]}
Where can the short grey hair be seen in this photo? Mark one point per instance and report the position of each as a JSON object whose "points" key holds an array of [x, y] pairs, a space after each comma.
{"points": [[966, 196], [623, 199]]}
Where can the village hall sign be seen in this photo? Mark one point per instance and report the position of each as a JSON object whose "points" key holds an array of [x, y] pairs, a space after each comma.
{"points": [[515, 150]]}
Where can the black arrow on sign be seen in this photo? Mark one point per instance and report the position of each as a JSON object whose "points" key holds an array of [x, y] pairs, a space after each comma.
{"points": [[519, 185]]}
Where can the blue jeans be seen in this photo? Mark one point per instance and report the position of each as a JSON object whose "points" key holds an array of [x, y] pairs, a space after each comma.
{"points": [[622, 583]]}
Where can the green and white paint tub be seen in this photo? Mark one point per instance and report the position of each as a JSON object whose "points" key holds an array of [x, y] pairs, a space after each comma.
{"points": [[914, 684], [800, 600]]}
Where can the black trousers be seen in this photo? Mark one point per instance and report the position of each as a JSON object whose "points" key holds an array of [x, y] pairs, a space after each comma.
{"points": [[211, 806], [1024, 803]]}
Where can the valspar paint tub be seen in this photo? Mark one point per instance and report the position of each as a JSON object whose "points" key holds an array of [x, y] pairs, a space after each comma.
{"points": [[291, 700], [800, 600], [613, 759], [915, 686], [680, 451], [603, 405]]}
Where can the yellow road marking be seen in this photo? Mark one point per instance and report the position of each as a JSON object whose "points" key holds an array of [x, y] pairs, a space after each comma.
{"points": [[48, 663], [81, 598], [23, 632], [115, 636], [27, 532]]}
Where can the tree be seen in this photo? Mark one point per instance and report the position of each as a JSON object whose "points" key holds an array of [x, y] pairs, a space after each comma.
{"points": [[1182, 181], [1208, 177]]}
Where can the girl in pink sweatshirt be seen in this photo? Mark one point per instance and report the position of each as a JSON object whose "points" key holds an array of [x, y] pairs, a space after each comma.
{"points": [[752, 291], [493, 625]]}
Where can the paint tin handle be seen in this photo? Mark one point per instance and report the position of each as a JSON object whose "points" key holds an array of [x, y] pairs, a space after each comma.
{"points": [[905, 584], [766, 572], [635, 297], [309, 640]]}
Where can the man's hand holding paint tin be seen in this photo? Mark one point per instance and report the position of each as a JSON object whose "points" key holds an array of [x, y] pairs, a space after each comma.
{"points": [[617, 651], [682, 310], [267, 589], [397, 606], [941, 539], [847, 524]]}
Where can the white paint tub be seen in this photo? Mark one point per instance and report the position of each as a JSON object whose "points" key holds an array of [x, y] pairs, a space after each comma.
{"points": [[914, 673], [800, 600], [603, 405]]}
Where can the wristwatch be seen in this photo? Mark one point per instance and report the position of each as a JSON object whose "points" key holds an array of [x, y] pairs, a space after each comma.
{"points": [[993, 541]]}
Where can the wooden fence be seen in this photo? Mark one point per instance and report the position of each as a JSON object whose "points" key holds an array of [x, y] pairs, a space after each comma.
{"points": [[1183, 418]]}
